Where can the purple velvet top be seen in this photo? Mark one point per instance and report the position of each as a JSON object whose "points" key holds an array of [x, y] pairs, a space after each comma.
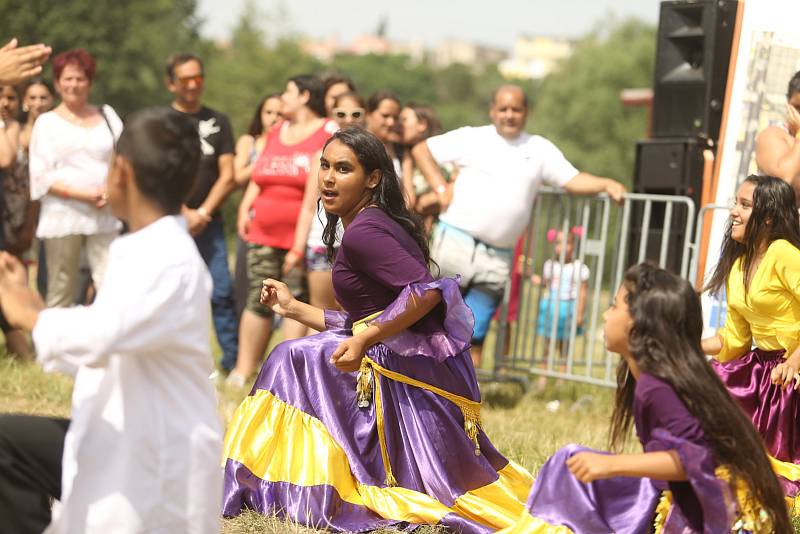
{"points": [[376, 261], [656, 405]]}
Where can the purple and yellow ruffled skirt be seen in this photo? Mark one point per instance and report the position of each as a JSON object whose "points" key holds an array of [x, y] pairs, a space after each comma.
{"points": [[775, 412], [300, 447], [561, 504]]}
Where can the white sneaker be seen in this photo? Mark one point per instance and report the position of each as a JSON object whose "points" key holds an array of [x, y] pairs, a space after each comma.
{"points": [[235, 380]]}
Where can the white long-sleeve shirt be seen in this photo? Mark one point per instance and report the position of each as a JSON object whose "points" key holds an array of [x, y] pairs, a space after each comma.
{"points": [[143, 448]]}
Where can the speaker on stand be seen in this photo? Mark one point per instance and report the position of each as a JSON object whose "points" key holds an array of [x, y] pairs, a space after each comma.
{"points": [[692, 55]]}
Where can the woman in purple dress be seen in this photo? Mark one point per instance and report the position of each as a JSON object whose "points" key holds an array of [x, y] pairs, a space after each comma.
{"points": [[704, 468], [376, 420]]}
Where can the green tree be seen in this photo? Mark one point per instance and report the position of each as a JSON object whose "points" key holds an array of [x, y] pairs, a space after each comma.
{"points": [[247, 69], [578, 106], [130, 40]]}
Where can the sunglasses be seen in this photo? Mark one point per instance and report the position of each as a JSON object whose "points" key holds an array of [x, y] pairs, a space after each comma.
{"points": [[356, 113], [198, 79]]}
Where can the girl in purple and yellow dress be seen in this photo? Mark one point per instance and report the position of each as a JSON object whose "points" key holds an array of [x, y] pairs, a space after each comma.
{"points": [[757, 352], [376, 420], [703, 469]]}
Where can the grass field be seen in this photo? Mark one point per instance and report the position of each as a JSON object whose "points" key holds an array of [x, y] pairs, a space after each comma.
{"points": [[527, 427], [527, 432]]}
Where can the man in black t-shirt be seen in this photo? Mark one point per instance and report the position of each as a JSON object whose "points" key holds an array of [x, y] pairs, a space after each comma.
{"points": [[213, 184]]}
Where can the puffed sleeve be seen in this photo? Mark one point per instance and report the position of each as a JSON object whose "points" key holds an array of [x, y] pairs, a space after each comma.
{"points": [[787, 266], [736, 336]]}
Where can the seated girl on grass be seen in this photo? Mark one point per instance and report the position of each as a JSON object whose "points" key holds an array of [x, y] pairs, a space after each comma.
{"points": [[704, 468]]}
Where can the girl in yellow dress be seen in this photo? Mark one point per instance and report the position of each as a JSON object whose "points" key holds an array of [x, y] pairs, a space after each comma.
{"points": [[757, 352]]}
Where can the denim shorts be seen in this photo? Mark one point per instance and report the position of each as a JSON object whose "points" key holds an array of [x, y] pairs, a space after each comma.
{"points": [[484, 271], [317, 259]]}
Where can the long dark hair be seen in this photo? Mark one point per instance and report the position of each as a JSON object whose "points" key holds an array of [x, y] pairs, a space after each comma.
{"points": [[388, 196], [774, 216], [665, 343], [256, 127]]}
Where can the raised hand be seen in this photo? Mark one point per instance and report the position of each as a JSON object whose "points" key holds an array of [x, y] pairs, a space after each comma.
{"points": [[17, 64], [276, 296]]}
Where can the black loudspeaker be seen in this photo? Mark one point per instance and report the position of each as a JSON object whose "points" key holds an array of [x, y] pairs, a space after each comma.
{"points": [[691, 71], [665, 167]]}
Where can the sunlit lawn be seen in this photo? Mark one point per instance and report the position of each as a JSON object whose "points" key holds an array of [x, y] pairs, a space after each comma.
{"points": [[527, 427], [527, 432]]}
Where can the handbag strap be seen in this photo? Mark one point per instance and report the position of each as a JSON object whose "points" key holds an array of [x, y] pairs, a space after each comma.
{"points": [[110, 129]]}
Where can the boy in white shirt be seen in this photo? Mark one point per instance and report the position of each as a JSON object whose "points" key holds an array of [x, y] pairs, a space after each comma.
{"points": [[142, 449]]}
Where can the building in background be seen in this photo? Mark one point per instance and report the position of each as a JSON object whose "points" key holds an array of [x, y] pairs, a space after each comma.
{"points": [[534, 57]]}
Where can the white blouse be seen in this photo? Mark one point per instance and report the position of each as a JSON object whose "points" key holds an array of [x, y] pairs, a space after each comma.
{"points": [[143, 448], [61, 151]]}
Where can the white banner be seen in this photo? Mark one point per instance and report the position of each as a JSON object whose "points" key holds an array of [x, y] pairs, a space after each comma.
{"points": [[767, 57]]}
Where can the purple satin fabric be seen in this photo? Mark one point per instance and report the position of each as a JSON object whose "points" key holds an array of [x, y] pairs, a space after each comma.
{"points": [[775, 412], [428, 448], [626, 505], [436, 343], [717, 508], [314, 506], [622, 504]]}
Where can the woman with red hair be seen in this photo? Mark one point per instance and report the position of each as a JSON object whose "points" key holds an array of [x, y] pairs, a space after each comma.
{"points": [[70, 150]]}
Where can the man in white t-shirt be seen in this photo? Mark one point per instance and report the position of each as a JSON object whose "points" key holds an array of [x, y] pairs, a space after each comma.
{"points": [[486, 209]]}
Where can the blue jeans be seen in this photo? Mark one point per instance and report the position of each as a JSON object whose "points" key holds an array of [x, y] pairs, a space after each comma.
{"points": [[211, 244]]}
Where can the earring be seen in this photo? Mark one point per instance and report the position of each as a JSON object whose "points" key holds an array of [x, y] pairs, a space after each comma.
{"points": [[25, 108]]}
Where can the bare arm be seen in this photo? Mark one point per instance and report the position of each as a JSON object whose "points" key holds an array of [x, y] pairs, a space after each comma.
{"points": [[432, 173], [661, 465], [308, 211], [712, 345], [199, 218], [584, 183], [242, 164], [408, 179], [245, 205], [778, 154], [223, 187]]}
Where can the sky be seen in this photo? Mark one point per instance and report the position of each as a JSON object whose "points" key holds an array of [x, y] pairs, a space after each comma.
{"points": [[494, 22]]}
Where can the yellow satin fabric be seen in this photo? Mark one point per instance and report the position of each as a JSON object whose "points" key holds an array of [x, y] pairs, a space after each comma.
{"points": [[787, 470], [280, 443], [529, 524], [768, 315], [752, 516]]}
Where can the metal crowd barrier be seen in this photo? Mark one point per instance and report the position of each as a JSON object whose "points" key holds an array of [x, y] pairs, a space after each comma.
{"points": [[610, 238]]}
